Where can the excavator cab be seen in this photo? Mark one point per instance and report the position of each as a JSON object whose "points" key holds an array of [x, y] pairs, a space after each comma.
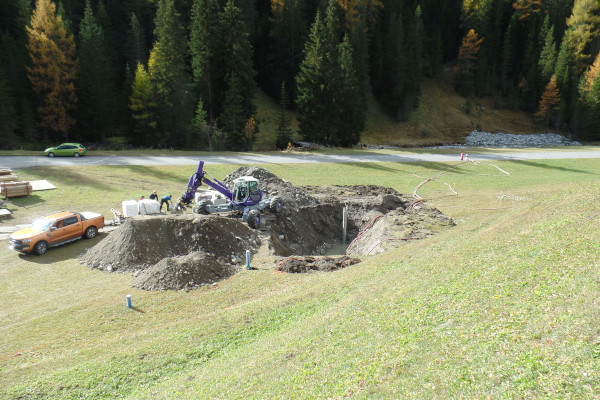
{"points": [[246, 190]]}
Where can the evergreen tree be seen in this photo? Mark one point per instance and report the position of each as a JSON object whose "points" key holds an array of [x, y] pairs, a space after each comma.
{"points": [[286, 37], [169, 76], [506, 61], [315, 97], [233, 117], [323, 112], [97, 88], [143, 109], [53, 70], [205, 132], [136, 43], [235, 56], [414, 50], [561, 69], [353, 111], [8, 114], [547, 60], [203, 47], [284, 133]]}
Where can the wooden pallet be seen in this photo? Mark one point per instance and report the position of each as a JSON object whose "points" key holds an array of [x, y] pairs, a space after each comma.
{"points": [[15, 189]]}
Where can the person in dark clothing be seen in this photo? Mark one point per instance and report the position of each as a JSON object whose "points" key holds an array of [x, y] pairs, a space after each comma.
{"points": [[165, 200], [154, 196]]}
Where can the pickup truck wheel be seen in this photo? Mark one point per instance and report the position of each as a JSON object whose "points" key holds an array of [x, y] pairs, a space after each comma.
{"points": [[41, 247], [276, 204], [254, 219], [91, 232]]}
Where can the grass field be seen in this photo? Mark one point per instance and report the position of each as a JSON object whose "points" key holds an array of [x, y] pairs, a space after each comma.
{"points": [[503, 305]]}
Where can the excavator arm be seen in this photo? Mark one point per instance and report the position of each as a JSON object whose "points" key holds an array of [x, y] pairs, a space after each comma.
{"points": [[196, 181]]}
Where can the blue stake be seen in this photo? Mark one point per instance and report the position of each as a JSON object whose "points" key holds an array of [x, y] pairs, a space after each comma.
{"points": [[247, 259], [129, 301]]}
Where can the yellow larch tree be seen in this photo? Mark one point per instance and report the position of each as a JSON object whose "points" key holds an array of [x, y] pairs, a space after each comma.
{"points": [[53, 69]]}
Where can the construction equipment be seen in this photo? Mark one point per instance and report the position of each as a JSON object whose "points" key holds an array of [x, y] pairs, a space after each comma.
{"points": [[246, 197]]}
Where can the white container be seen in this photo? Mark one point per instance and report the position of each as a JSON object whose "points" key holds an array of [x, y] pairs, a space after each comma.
{"points": [[130, 208], [148, 207]]}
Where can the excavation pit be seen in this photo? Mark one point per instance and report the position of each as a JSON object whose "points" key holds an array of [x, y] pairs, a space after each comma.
{"points": [[174, 252]]}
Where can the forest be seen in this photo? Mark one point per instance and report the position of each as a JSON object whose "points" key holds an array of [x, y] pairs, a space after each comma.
{"points": [[184, 74]]}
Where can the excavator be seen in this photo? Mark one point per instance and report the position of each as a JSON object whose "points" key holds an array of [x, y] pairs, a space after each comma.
{"points": [[246, 197]]}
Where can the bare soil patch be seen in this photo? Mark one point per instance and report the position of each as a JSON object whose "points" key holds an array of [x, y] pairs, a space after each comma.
{"points": [[190, 250]]}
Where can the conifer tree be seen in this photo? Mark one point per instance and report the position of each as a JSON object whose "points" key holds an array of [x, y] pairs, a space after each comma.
{"points": [[314, 99], [53, 70], [203, 45], [323, 112], [284, 133], [136, 43], [97, 88], [414, 50], [527, 8], [286, 37], [584, 31], [235, 57], [467, 57], [205, 132], [561, 69], [590, 98], [8, 114], [143, 109], [169, 75], [353, 112], [549, 103], [233, 117], [547, 60]]}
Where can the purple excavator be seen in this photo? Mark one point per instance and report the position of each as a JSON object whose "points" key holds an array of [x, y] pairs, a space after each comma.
{"points": [[246, 197]]}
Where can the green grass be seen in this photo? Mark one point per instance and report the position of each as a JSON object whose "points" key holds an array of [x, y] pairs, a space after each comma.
{"points": [[503, 305]]}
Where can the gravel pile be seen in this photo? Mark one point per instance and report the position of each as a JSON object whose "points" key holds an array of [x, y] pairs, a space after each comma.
{"points": [[500, 139]]}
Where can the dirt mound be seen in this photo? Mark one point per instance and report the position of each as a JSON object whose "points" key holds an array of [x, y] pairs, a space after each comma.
{"points": [[172, 252], [309, 264], [396, 227], [272, 185], [184, 272], [144, 241]]}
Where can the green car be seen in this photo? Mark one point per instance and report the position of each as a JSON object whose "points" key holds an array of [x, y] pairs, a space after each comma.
{"points": [[66, 149]]}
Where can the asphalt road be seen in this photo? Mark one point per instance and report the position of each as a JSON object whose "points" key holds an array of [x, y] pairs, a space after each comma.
{"points": [[19, 162]]}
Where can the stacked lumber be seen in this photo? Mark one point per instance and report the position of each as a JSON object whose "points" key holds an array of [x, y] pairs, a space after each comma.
{"points": [[8, 175], [15, 189]]}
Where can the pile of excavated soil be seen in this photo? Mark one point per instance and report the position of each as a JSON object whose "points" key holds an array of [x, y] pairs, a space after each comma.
{"points": [[189, 250], [144, 241], [184, 272], [310, 264], [396, 227]]}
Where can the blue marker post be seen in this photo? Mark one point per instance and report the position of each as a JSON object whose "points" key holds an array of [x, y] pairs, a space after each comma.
{"points": [[129, 301], [247, 259]]}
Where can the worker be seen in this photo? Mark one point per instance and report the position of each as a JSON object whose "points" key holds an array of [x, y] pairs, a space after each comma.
{"points": [[142, 198], [154, 196], [166, 200]]}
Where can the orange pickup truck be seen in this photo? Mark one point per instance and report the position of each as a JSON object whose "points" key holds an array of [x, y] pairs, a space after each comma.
{"points": [[54, 230]]}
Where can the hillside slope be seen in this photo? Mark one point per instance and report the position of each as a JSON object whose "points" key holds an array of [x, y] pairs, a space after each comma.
{"points": [[441, 118]]}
